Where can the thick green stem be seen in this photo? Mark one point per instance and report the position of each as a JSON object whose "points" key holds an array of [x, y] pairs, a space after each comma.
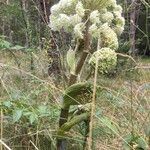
{"points": [[75, 120], [73, 79]]}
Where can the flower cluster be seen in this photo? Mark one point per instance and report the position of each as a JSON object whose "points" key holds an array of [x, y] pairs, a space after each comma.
{"points": [[106, 23], [69, 15], [119, 20], [108, 37], [106, 58]]}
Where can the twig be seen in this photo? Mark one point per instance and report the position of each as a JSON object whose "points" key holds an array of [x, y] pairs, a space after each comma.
{"points": [[34, 145], [93, 105], [4, 145], [1, 146]]}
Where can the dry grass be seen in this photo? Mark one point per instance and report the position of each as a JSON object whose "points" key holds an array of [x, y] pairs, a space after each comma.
{"points": [[124, 100]]}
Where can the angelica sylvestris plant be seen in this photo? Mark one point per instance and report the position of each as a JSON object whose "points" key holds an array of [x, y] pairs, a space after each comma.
{"points": [[106, 22], [87, 21]]}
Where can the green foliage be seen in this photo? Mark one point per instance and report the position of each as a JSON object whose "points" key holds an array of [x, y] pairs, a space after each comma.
{"points": [[110, 125], [4, 44], [136, 142], [73, 121]]}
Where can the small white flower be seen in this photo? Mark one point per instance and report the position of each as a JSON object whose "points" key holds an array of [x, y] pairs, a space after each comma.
{"points": [[79, 9], [64, 21], [55, 9], [65, 3], [75, 19], [117, 14], [118, 8], [54, 23], [113, 3], [94, 16], [117, 11], [78, 30], [118, 30]]}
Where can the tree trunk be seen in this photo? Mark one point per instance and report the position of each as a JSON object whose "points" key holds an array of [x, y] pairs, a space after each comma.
{"points": [[134, 13]]}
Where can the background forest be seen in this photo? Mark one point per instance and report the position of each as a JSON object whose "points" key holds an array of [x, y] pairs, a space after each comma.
{"points": [[34, 74]]}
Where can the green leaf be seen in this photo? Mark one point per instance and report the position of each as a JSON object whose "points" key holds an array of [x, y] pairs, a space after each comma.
{"points": [[110, 124], [142, 143], [128, 139], [33, 117], [4, 44], [134, 140], [42, 110], [7, 104], [71, 60], [17, 114], [17, 47]]}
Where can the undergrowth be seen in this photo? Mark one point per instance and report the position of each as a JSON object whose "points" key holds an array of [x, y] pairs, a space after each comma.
{"points": [[30, 107]]}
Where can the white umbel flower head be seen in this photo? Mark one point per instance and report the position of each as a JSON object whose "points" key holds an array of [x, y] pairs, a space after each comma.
{"points": [[78, 30], [64, 20], [108, 37], [118, 8], [61, 21], [112, 3], [120, 21], [75, 19], [117, 11], [54, 23], [106, 58], [95, 16], [55, 9], [80, 9], [107, 17], [118, 30], [67, 3]]}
